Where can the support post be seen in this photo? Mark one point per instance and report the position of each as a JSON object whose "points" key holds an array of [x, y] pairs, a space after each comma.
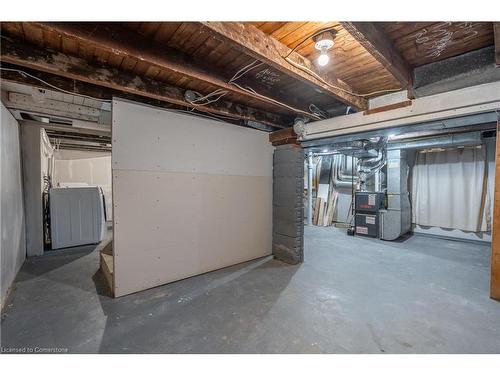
{"points": [[495, 240], [309, 187], [288, 204]]}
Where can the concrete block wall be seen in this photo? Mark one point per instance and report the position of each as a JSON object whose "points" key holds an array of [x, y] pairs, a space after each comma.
{"points": [[288, 204]]}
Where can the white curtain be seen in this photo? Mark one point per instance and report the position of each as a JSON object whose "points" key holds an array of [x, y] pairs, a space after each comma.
{"points": [[449, 189]]}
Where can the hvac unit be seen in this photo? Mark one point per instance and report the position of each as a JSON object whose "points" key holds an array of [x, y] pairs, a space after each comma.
{"points": [[367, 207]]}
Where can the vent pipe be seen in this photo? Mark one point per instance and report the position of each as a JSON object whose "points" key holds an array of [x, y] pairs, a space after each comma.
{"points": [[454, 140]]}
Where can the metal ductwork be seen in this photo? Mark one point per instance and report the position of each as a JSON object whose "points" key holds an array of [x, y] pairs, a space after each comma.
{"points": [[396, 219], [339, 178], [343, 184], [381, 168], [454, 140]]}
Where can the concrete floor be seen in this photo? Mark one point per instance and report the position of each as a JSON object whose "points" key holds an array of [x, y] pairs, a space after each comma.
{"points": [[351, 295]]}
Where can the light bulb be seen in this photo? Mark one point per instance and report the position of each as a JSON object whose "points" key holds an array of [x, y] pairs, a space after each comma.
{"points": [[323, 59]]}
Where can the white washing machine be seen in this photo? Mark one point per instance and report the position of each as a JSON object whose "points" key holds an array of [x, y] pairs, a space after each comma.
{"points": [[77, 216]]}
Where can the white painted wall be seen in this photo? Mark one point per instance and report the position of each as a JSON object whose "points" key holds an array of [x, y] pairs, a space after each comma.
{"points": [[13, 240], [86, 167], [191, 195]]}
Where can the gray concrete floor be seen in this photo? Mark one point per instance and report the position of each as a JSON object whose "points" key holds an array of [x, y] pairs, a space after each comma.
{"points": [[351, 295]]}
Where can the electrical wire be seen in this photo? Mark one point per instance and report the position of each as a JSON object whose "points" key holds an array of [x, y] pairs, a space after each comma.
{"points": [[26, 74], [314, 109], [240, 73], [195, 103], [202, 100], [201, 97], [211, 116], [205, 98], [252, 91], [23, 73], [245, 70]]}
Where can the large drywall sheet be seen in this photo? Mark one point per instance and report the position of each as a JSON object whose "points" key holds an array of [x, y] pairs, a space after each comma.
{"points": [[31, 150], [13, 241], [191, 195]]}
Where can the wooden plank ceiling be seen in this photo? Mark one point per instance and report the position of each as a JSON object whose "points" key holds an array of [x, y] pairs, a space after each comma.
{"points": [[422, 43], [169, 58], [350, 62]]}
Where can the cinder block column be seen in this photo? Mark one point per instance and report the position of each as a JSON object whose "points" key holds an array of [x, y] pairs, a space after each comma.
{"points": [[288, 204]]}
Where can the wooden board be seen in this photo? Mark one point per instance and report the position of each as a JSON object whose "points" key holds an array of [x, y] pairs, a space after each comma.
{"points": [[496, 29], [106, 266], [253, 42], [376, 42], [190, 196], [418, 42], [425, 42], [495, 242], [317, 205], [350, 61], [332, 201], [321, 211], [189, 40]]}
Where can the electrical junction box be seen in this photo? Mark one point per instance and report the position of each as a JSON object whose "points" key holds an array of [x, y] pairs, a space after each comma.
{"points": [[369, 201], [366, 224]]}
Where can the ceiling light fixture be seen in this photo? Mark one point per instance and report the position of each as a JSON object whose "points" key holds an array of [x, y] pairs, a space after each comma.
{"points": [[323, 42]]}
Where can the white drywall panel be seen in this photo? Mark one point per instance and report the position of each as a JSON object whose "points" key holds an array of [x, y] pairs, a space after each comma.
{"points": [[146, 138], [12, 223], [190, 196], [32, 183], [169, 226]]}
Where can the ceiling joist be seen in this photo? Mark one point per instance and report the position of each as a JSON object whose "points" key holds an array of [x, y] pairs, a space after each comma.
{"points": [[123, 42], [30, 56], [52, 107], [253, 42], [496, 32], [380, 47]]}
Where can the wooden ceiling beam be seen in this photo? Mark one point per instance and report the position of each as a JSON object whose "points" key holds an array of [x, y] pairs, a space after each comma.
{"points": [[254, 42], [374, 40], [496, 32], [283, 137], [19, 53], [72, 86], [78, 87], [125, 43]]}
